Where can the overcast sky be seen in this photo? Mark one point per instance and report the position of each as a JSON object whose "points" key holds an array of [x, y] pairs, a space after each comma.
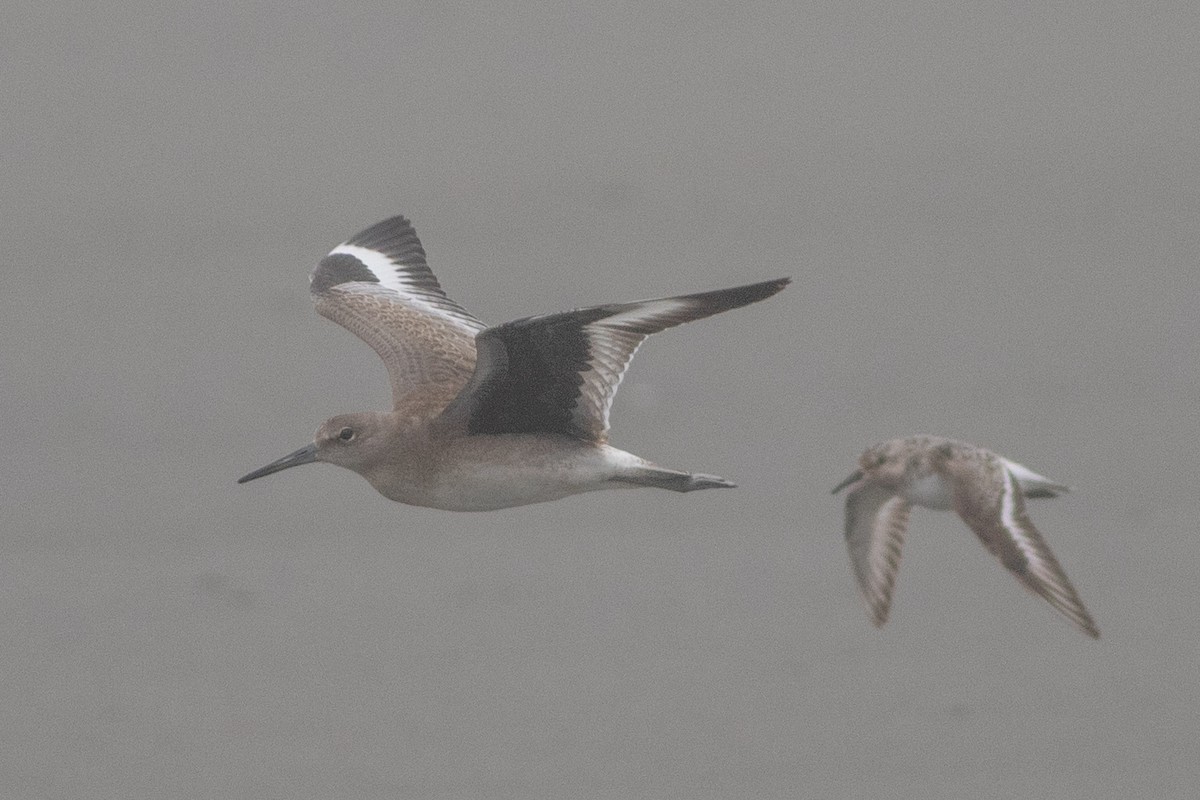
{"points": [[990, 215]]}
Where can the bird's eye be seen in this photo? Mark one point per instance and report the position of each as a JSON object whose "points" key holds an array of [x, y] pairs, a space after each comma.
{"points": [[346, 434], [879, 459]]}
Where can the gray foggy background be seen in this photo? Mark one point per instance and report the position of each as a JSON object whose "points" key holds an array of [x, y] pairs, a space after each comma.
{"points": [[990, 212]]}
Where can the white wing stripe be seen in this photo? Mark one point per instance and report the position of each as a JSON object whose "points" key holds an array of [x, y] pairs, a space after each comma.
{"points": [[1009, 521], [393, 276], [1050, 579], [379, 264], [644, 312]]}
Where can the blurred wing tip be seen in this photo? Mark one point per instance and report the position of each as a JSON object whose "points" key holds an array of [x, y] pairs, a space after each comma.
{"points": [[1083, 620], [753, 292]]}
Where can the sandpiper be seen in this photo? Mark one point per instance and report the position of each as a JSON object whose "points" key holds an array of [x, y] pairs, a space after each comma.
{"points": [[487, 417], [987, 490]]}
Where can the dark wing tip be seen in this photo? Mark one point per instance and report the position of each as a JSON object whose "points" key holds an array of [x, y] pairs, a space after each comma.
{"points": [[745, 295], [776, 285], [394, 238], [698, 305]]}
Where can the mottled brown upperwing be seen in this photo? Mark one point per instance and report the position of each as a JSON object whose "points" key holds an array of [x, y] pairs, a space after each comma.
{"points": [[378, 286]]}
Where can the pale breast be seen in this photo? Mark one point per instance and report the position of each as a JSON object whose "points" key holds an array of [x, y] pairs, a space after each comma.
{"points": [[931, 491], [484, 472]]}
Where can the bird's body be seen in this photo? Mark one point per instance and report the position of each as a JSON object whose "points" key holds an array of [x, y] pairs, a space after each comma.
{"points": [[456, 471], [986, 490], [487, 417]]}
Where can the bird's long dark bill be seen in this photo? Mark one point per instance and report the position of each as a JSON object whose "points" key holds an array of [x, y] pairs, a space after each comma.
{"points": [[305, 455], [854, 476]]}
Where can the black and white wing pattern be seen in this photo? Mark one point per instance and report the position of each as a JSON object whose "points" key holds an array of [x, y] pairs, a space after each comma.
{"points": [[558, 373], [378, 286]]}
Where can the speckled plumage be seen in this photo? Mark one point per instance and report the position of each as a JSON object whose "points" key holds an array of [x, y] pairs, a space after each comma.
{"points": [[986, 490]]}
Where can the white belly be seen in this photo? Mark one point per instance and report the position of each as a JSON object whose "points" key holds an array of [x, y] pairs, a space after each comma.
{"points": [[485, 488], [931, 491], [505, 478]]}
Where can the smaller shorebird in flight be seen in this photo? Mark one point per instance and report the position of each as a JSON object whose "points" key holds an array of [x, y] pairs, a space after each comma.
{"points": [[487, 417], [988, 492]]}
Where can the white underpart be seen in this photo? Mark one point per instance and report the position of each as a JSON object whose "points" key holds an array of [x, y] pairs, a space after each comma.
{"points": [[392, 276], [931, 491], [488, 485]]}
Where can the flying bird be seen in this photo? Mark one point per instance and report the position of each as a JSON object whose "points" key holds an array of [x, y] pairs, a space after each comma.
{"points": [[487, 417], [987, 490]]}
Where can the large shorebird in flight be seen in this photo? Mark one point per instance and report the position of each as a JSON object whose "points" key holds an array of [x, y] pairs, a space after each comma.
{"points": [[487, 417]]}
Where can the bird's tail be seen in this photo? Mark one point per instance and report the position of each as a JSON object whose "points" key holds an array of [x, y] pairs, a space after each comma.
{"points": [[673, 480]]}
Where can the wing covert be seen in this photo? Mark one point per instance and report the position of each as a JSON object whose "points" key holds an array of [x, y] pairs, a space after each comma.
{"points": [[378, 286]]}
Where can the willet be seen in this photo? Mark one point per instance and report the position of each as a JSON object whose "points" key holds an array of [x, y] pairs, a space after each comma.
{"points": [[988, 492], [487, 417]]}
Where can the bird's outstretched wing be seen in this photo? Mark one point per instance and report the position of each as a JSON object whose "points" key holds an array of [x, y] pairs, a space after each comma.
{"points": [[378, 286], [558, 373], [995, 511], [876, 521]]}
